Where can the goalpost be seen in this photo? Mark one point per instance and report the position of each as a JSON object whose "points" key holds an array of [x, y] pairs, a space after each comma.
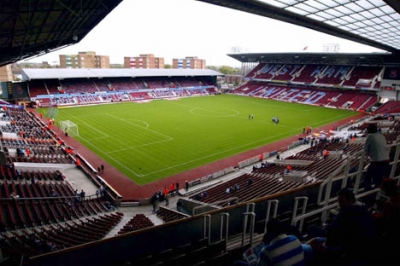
{"points": [[69, 127], [52, 112]]}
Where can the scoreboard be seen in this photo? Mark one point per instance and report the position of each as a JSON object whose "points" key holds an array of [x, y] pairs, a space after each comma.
{"points": [[15, 90], [391, 79], [9, 89]]}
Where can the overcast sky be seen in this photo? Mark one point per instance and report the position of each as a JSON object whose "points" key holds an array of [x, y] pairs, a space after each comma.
{"points": [[180, 28]]}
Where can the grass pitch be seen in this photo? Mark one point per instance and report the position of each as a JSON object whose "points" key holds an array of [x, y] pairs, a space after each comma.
{"points": [[150, 141]]}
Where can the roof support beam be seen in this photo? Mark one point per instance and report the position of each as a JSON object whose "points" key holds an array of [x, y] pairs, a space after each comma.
{"points": [[266, 10]]}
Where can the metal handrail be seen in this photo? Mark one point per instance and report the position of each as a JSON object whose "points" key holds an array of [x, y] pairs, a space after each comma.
{"points": [[296, 219], [267, 215], [49, 198], [346, 165], [253, 219], [214, 204], [250, 207], [207, 227], [328, 182], [395, 161], [303, 209], [226, 215]]}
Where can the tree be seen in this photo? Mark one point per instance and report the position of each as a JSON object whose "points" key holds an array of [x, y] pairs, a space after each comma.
{"points": [[168, 66], [116, 66], [227, 70], [213, 68]]}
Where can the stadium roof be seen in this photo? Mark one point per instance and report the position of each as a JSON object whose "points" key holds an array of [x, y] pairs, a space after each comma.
{"points": [[54, 73], [372, 22], [378, 59], [34, 27]]}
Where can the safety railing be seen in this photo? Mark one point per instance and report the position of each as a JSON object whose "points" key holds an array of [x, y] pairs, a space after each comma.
{"points": [[302, 217]]}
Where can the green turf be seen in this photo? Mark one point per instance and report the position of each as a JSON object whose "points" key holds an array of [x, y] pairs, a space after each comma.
{"points": [[150, 141]]}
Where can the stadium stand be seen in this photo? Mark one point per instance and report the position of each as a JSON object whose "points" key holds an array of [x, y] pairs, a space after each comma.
{"points": [[37, 88], [41, 209], [42, 218], [308, 74], [52, 86], [362, 76], [96, 90], [38, 226], [333, 75], [286, 73], [391, 106], [71, 86], [139, 221]]}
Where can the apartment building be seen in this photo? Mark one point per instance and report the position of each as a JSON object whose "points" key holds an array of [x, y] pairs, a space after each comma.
{"points": [[84, 60], [6, 73], [144, 61], [191, 62]]}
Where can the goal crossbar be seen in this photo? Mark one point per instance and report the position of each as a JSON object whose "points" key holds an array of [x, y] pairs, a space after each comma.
{"points": [[69, 127]]}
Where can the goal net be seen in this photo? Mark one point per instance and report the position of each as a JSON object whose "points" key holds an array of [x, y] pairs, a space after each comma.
{"points": [[69, 127], [52, 112]]}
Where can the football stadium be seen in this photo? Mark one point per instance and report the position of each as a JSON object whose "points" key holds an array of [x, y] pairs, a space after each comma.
{"points": [[299, 164]]}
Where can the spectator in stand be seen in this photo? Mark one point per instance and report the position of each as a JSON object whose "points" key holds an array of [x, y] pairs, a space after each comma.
{"points": [[109, 206], [387, 220], [388, 216], [14, 195], [54, 193], [376, 148], [166, 196], [277, 248], [351, 237], [172, 189], [59, 175], [288, 169], [51, 149], [82, 195], [153, 201], [325, 153], [179, 205], [69, 204], [78, 162], [34, 180], [283, 249], [102, 190]]}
